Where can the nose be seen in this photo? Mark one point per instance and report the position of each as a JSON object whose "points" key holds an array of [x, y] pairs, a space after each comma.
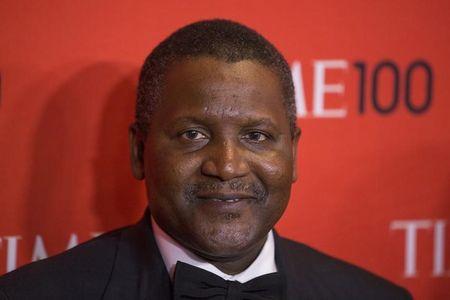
{"points": [[225, 162]]}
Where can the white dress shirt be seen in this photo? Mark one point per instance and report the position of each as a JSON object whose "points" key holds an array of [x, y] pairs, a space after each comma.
{"points": [[172, 251]]}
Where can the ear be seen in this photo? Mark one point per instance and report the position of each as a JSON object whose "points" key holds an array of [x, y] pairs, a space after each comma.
{"points": [[137, 143], [295, 140]]}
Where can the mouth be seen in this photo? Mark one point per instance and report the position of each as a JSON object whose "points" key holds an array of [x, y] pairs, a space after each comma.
{"points": [[225, 197]]}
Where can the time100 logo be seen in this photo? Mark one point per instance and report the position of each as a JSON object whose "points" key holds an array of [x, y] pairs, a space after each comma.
{"points": [[369, 87]]}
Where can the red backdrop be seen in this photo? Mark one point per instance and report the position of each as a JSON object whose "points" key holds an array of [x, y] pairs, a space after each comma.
{"points": [[372, 90]]}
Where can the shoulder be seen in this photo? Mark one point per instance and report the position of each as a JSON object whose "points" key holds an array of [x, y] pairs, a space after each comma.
{"points": [[81, 272], [332, 278]]}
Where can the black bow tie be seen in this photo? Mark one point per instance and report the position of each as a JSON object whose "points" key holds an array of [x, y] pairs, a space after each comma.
{"points": [[195, 283]]}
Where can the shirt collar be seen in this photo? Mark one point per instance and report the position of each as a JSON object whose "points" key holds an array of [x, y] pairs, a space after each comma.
{"points": [[172, 251]]}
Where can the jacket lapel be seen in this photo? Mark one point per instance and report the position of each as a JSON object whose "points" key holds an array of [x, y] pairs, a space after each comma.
{"points": [[139, 271], [296, 280]]}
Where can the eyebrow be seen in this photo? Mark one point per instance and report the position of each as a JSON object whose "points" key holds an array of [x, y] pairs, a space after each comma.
{"points": [[260, 121], [248, 122], [188, 120]]}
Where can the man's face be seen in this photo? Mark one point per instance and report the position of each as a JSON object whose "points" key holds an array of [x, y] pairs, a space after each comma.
{"points": [[219, 156]]}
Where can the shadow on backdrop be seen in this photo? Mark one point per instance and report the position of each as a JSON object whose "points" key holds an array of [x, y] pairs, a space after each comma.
{"points": [[80, 161], [119, 198]]}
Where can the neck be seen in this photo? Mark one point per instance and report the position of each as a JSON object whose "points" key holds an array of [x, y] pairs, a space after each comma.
{"points": [[256, 260], [235, 265]]}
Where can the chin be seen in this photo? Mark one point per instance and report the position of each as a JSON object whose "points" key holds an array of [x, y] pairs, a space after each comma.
{"points": [[226, 239]]}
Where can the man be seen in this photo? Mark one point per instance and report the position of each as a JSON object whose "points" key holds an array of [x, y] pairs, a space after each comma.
{"points": [[215, 140]]}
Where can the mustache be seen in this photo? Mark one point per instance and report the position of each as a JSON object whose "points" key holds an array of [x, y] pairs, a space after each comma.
{"points": [[236, 185]]}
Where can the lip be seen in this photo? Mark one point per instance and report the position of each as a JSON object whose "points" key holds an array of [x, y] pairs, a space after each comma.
{"points": [[226, 197]]}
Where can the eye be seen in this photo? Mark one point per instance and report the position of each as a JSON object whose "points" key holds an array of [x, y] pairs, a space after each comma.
{"points": [[193, 135], [256, 137]]}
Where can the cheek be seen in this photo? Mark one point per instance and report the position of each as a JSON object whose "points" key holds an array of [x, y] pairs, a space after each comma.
{"points": [[276, 174], [169, 170], [275, 171]]}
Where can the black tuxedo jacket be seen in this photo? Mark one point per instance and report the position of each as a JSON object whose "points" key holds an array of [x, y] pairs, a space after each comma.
{"points": [[126, 264]]}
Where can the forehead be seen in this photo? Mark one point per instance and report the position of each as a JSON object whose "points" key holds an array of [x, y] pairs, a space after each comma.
{"points": [[211, 88]]}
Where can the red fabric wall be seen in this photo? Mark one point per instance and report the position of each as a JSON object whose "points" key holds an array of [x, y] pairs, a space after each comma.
{"points": [[372, 87]]}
